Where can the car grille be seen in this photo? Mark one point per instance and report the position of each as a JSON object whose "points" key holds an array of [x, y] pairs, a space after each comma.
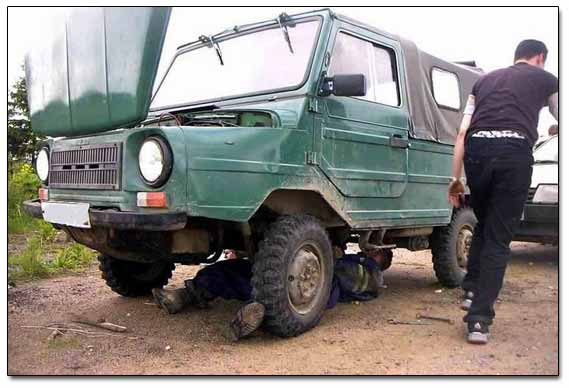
{"points": [[531, 193], [95, 166]]}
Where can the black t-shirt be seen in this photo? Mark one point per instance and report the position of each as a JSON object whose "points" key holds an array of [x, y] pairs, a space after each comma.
{"points": [[511, 98]]}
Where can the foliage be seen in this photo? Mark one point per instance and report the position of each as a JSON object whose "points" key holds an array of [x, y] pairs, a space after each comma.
{"points": [[22, 142], [73, 257], [46, 232], [23, 184], [32, 262], [64, 342], [25, 177], [28, 264]]}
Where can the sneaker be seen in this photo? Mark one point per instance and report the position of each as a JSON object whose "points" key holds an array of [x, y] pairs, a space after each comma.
{"points": [[247, 320], [173, 301], [467, 300], [478, 333]]}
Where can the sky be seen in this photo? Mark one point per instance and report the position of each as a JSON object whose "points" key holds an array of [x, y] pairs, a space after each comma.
{"points": [[487, 35]]}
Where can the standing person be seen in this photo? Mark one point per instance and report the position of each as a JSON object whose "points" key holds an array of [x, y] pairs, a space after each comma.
{"points": [[495, 141]]}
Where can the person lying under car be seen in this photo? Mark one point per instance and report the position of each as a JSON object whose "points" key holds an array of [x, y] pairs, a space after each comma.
{"points": [[357, 277]]}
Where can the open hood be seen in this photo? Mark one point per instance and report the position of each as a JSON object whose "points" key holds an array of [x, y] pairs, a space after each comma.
{"points": [[95, 70]]}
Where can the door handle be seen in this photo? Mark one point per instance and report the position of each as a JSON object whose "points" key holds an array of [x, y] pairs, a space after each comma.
{"points": [[398, 141]]}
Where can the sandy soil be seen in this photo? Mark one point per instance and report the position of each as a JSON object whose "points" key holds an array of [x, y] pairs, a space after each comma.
{"points": [[351, 339]]}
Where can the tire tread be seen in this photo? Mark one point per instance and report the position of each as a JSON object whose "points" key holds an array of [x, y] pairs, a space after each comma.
{"points": [[269, 269], [128, 286], [443, 248]]}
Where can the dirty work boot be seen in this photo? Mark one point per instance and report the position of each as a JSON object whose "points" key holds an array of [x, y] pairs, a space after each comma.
{"points": [[467, 300], [478, 333], [173, 301], [247, 320]]}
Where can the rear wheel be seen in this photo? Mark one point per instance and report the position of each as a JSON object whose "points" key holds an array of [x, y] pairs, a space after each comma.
{"points": [[133, 279], [292, 274], [450, 246]]}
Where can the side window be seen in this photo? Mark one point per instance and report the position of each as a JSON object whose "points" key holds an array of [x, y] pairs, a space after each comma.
{"points": [[351, 55], [445, 88], [385, 85]]}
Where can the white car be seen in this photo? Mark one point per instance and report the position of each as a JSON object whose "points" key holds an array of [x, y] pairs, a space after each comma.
{"points": [[540, 220]]}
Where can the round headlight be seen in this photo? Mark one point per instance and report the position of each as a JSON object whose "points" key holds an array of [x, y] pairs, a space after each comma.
{"points": [[155, 161], [42, 165]]}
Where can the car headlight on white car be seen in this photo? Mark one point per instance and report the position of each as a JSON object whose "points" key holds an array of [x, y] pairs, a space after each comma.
{"points": [[546, 194], [155, 161], [42, 164]]}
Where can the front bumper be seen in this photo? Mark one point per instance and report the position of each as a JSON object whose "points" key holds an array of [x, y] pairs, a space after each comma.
{"points": [[539, 222], [116, 219], [541, 213]]}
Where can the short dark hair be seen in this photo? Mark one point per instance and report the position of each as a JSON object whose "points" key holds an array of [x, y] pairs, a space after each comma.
{"points": [[529, 48]]}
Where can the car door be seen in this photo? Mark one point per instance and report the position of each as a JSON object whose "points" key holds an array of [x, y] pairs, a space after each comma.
{"points": [[364, 139]]}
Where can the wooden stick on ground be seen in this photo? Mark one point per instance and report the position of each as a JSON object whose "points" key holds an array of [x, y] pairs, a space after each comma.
{"points": [[102, 325], [73, 331]]}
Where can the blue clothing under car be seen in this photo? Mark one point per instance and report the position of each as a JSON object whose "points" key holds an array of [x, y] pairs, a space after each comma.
{"points": [[356, 277]]}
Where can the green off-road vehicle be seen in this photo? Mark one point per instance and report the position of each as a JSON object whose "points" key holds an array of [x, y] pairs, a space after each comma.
{"points": [[281, 139]]}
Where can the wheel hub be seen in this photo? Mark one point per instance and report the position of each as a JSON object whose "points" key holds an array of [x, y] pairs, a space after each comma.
{"points": [[463, 245], [304, 279]]}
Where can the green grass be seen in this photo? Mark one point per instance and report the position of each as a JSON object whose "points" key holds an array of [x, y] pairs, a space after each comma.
{"points": [[41, 257], [64, 343], [29, 263], [46, 232], [33, 262], [74, 257], [22, 223], [23, 184]]}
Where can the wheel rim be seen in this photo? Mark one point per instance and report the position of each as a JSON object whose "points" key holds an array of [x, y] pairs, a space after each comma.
{"points": [[305, 279], [463, 245]]}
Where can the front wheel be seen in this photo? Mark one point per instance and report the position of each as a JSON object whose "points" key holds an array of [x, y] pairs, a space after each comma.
{"points": [[292, 274], [450, 246], [133, 279]]}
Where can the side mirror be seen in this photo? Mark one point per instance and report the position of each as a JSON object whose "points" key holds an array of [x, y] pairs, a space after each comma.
{"points": [[346, 85]]}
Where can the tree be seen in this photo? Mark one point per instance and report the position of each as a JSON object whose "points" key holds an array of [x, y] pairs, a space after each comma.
{"points": [[22, 142]]}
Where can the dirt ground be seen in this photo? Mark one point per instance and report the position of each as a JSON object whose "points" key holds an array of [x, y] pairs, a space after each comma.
{"points": [[351, 339]]}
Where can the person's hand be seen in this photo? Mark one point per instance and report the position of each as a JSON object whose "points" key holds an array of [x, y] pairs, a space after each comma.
{"points": [[455, 190]]}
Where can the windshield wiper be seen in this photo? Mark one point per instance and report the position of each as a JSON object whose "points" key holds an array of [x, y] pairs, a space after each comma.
{"points": [[220, 122], [208, 40], [283, 20]]}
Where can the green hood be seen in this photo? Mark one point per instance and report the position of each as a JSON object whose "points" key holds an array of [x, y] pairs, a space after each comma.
{"points": [[96, 71]]}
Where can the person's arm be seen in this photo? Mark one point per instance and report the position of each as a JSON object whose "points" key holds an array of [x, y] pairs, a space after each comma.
{"points": [[553, 102], [456, 187]]}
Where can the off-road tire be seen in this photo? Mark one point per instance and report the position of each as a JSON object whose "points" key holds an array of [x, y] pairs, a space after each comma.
{"points": [[444, 242], [284, 238], [134, 279]]}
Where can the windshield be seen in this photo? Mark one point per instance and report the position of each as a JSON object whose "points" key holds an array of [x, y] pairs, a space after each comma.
{"points": [[253, 63], [548, 151]]}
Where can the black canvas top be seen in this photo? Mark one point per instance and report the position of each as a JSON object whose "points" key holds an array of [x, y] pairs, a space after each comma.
{"points": [[431, 121]]}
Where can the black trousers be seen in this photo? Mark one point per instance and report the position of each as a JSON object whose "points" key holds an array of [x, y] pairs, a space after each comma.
{"points": [[498, 173]]}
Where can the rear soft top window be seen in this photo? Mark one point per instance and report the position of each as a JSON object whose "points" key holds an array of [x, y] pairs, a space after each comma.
{"points": [[446, 89]]}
